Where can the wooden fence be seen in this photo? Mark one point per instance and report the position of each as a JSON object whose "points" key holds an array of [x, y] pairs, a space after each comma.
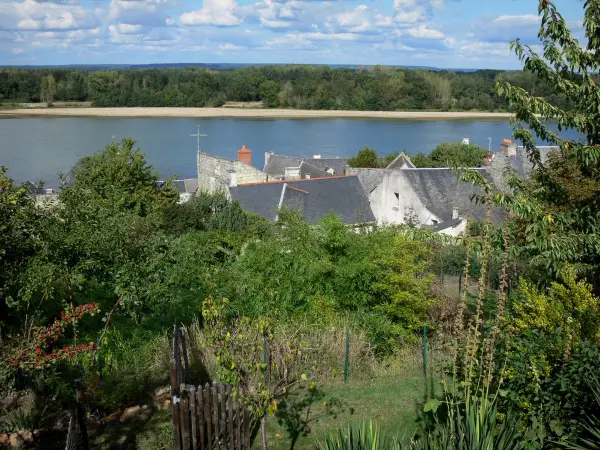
{"points": [[205, 417]]}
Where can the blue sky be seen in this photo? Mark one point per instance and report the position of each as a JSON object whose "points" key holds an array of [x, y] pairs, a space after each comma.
{"points": [[441, 33]]}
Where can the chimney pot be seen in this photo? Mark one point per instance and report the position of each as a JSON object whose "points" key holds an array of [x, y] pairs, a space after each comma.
{"points": [[245, 155]]}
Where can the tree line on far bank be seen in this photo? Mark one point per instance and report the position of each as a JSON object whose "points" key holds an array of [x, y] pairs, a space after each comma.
{"points": [[303, 87]]}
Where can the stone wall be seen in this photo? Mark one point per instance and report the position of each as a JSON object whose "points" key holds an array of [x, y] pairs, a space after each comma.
{"points": [[216, 174]]}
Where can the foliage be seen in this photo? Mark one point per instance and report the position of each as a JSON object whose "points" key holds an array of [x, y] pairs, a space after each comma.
{"points": [[356, 437], [592, 424], [474, 424], [557, 213], [404, 283], [368, 158], [19, 239], [570, 308], [452, 154], [118, 178], [22, 419], [244, 357], [547, 389], [41, 350], [293, 86]]}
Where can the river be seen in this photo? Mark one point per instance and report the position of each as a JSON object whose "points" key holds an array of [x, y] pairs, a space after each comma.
{"points": [[40, 148]]}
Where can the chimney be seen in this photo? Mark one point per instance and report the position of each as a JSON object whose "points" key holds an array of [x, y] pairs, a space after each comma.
{"points": [[454, 213], [466, 141], [245, 155], [508, 147], [307, 175], [267, 157], [317, 156]]}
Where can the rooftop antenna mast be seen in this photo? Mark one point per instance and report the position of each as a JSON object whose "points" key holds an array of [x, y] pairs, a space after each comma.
{"points": [[198, 135], [490, 145]]}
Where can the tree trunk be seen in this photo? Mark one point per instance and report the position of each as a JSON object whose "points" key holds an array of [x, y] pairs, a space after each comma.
{"points": [[263, 432]]}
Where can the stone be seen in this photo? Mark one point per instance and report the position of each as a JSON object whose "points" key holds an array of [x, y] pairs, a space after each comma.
{"points": [[114, 417], [16, 441], [26, 435], [4, 440], [130, 413], [161, 392]]}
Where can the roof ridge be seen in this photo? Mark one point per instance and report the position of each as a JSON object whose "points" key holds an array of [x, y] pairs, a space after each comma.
{"points": [[297, 181], [296, 189]]}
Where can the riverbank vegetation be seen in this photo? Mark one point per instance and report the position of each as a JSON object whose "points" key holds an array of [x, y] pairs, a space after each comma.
{"points": [[294, 87], [91, 288]]}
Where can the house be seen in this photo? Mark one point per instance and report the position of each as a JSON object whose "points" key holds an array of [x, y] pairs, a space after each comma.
{"points": [[427, 197], [312, 197], [402, 161], [515, 157], [186, 188], [281, 167], [215, 174]]}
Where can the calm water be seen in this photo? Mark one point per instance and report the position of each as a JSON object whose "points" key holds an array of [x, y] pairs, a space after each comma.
{"points": [[39, 148]]}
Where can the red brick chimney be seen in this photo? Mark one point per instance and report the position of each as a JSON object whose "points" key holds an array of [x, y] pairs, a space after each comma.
{"points": [[245, 155]]}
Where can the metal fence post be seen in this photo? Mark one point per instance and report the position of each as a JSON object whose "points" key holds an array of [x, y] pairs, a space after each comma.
{"points": [[347, 359], [425, 349]]}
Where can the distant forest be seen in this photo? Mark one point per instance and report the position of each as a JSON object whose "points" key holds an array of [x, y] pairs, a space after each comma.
{"points": [[303, 87]]}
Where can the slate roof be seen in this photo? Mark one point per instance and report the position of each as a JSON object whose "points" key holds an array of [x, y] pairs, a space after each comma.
{"points": [[401, 160], [314, 172], [445, 225], [520, 162], [441, 191], [189, 185], [314, 198], [369, 178], [276, 164]]}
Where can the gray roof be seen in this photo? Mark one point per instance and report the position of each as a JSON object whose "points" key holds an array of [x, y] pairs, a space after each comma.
{"points": [[369, 178], [276, 164], [307, 168], [441, 191], [314, 198], [445, 224], [401, 160], [189, 185], [519, 162]]}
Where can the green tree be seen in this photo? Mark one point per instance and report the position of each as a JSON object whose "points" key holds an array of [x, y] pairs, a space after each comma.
{"points": [[19, 240], [269, 92], [558, 212], [368, 158], [452, 154]]}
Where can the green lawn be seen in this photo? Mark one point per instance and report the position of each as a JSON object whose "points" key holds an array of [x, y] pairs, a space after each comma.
{"points": [[392, 401]]}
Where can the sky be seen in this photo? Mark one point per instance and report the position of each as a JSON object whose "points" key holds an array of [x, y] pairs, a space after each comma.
{"points": [[438, 33]]}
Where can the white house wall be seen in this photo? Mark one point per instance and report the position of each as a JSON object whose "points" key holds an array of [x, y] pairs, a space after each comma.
{"points": [[389, 209]]}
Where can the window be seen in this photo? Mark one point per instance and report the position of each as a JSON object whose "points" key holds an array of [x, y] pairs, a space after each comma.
{"points": [[397, 204], [434, 222]]}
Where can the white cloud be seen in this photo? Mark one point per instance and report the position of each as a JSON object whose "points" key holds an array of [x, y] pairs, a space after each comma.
{"points": [[506, 28], [220, 13], [17, 51], [141, 12], [32, 15], [422, 31], [230, 47]]}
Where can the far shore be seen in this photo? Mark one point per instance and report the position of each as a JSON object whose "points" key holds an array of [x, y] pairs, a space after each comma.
{"points": [[247, 113]]}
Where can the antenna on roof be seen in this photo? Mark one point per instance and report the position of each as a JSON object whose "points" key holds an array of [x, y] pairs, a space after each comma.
{"points": [[198, 135], [490, 145]]}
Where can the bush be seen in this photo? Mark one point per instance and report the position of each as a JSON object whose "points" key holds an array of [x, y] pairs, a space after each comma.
{"points": [[548, 389]]}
